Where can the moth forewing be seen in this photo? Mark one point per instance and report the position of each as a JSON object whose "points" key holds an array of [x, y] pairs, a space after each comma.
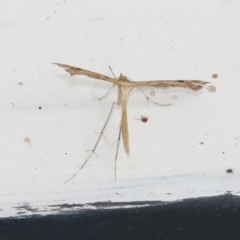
{"points": [[79, 71], [192, 84]]}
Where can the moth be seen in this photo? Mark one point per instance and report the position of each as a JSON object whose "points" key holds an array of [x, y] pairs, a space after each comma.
{"points": [[125, 85]]}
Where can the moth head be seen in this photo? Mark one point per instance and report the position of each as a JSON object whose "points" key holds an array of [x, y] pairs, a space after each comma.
{"points": [[123, 78]]}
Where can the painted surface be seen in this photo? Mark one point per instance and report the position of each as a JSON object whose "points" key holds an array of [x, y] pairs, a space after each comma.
{"points": [[48, 119], [202, 218]]}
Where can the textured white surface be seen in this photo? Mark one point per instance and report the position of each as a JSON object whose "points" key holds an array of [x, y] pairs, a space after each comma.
{"points": [[144, 40]]}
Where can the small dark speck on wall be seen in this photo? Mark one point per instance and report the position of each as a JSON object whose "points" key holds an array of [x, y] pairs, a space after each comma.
{"points": [[214, 75], [40, 107], [144, 119], [27, 140], [229, 170]]}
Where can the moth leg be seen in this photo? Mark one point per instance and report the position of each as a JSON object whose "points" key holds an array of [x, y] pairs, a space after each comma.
{"points": [[95, 146]]}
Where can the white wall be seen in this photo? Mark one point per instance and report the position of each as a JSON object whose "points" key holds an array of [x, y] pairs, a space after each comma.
{"points": [[183, 151]]}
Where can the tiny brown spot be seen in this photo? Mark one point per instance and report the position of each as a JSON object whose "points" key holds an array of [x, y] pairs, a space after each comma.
{"points": [[229, 170], [174, 97], [211, 89], [152, 93], [27, 140], [40, 107], [201, 143], [20, 83], [214, 75], [144, 119]]}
